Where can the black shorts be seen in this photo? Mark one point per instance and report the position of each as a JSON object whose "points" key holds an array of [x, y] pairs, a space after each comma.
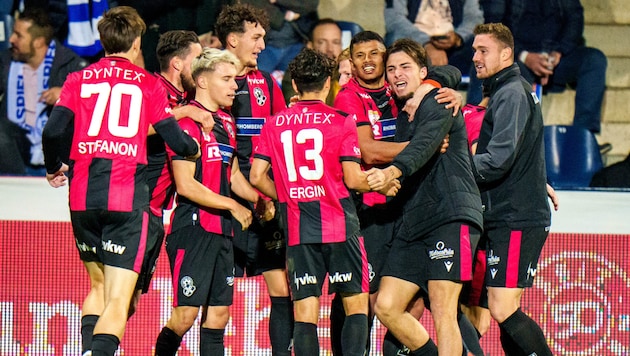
{"points": [[512, 256], [446, 253], [260, 248], [475, 292], [345, 263], [202, 267], [154, 246], [113, 238], [377, 228]]}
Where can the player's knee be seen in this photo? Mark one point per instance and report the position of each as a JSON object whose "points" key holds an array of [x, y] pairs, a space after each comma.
{"points": [[182, 320], [500, 310], [385, 310], [216, 318], [482, 325]]}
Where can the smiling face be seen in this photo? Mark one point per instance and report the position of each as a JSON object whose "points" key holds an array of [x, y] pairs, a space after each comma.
{"points": [[404, 75], [367, 61], [248, 45], [490, 55]]}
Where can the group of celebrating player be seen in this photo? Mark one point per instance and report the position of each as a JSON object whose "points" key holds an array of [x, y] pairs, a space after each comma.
{"points": [[380, 192]]}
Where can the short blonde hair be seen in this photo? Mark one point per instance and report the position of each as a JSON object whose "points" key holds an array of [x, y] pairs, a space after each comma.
{"points": [[209, 58]]}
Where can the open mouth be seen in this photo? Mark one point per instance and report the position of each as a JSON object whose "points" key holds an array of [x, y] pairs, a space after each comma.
{"points": [[369, 69], [400, 85]]}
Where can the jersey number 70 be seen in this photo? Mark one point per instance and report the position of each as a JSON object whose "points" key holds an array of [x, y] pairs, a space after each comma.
{"points": [[113, 96]]}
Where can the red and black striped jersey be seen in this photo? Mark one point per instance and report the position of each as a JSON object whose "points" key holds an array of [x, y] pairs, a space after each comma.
{"points": [[113, 102], [159, 175], [258, 97], [213, 170], [306, 145], [373, 107]]}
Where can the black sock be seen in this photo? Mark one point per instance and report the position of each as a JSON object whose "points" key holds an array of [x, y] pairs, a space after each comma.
{"points": [[167, 343], [470, 337], [509, 346], [104, 345], [354, 335], [337, 318], [87, 329], [526, 334], [305, 341], [428, 349], [281, 325], [211, 342], [391, 345]]}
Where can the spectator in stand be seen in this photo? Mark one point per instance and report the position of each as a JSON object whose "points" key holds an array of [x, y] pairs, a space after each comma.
{"points": [[444, 27], [290, 24], [344, 68], [324, 37], [39, 64], [550, 50]]}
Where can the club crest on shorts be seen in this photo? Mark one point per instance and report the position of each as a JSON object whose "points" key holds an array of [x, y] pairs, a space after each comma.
{"points": [[188, 286]]}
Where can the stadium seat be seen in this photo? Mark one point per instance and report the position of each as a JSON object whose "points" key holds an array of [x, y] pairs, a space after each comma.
{"points": [[572, 156], [6, 21], [348, 29]]}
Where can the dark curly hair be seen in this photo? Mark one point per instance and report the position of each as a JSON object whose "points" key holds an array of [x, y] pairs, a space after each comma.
{"points": [[309, 69], [232, 19]]}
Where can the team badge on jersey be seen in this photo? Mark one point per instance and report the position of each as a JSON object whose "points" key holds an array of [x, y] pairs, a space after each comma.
{"points": [[261, 99]]}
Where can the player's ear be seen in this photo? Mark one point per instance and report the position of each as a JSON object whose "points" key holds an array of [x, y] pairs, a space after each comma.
{"points": [[39, 42], [295, 88], [232, 40], [423, 73], [177, 63], [506, 53], [327, 83], [201, 82]]}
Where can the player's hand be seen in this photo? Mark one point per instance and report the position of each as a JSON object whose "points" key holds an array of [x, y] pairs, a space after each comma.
{"points": [[58, 179], [392, 189], [265, 209], [242, 214], [551, 193], [445, 142], [451, 97], [50, 96], [203, 117], [379, 179], [294, 99]]}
